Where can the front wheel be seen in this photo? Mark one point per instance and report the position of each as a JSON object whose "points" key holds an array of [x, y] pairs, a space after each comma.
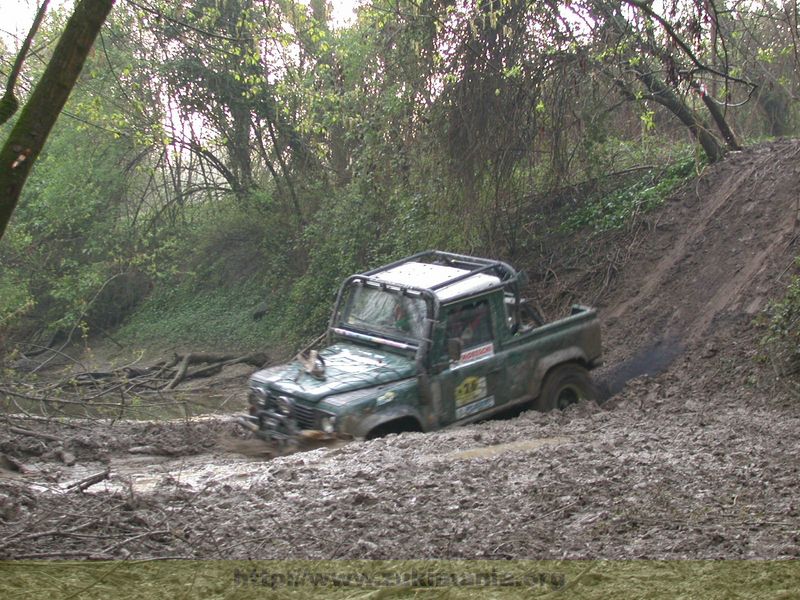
{"points": [[565, 385]]}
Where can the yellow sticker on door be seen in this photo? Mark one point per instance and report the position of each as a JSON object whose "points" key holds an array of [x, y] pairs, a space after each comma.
{"points": [[470, 390]]}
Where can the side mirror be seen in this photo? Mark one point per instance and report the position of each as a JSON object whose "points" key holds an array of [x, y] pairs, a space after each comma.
{"points": [[522, 278], [454, 349]]}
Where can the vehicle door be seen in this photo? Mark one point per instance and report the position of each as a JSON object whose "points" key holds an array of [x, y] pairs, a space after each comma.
{"points": [[472, 383]]}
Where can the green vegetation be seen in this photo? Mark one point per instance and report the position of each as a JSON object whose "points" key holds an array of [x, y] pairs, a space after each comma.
{"points": [[196, 318], [218, 157], [645, 193], [239, 260], [781, 322]]}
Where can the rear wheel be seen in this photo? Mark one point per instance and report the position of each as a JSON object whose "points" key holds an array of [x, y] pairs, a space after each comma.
{"points": [[565, 385]]}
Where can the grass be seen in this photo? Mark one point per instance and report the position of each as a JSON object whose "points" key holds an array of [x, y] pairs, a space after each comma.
{"points": [[616, 209], [780, 321], [219, 318]]}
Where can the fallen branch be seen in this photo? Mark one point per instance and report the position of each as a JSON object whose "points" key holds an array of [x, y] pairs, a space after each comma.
{"points": [[53, 401], [129, 383], [217, 360], [16, 539], [146, 534], [184, 366], [153, 451], [256, 360], [89, 481], [64, 554], [37, 434]]}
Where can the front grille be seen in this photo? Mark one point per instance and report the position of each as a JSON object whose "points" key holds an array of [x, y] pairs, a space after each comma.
{"points": [[305, 416]]}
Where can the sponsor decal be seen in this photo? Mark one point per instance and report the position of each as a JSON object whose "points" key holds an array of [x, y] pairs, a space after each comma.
{"points": [[470, 390], [475, 407], [477, 353]]}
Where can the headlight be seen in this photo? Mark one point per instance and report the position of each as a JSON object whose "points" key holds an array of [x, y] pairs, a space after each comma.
{"points": [[284, 405], [258, 396], [328, 424]]}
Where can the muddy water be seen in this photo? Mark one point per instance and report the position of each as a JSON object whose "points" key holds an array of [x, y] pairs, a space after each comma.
{"points": [[145, 474], [497, 449]]}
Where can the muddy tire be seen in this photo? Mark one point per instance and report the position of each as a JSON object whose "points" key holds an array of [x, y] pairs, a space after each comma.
{"points": [[565, 385]]}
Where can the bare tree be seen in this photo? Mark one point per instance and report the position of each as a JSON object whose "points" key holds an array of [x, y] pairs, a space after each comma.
{"points": [[9, 102], [30, 132]]}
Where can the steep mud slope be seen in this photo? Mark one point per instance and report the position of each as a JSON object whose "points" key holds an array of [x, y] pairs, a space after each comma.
{"points": [[698, 461], [714, 256]]}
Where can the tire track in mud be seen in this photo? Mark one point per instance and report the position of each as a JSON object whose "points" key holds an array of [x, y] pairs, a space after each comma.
{"points": [[724, 262], [679, 251]]}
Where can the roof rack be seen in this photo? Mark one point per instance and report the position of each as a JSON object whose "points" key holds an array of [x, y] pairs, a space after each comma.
{"points": [[505, 278], [472, 264]]}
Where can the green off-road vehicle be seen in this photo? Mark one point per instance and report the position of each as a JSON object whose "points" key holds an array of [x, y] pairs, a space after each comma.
{"points": [[433, 340]]}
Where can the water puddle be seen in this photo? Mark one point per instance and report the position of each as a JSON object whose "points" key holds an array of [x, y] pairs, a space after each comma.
{"points": [[147, 474], [497, 449]]}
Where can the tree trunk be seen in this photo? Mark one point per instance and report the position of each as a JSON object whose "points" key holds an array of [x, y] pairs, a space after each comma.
{"points": [[337, 142], [667, 97], [9, 104], [719, 119], [30, 132]]}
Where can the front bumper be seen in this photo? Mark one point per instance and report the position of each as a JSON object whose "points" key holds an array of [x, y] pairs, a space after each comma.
{"points": [[281, 429], [270, 426]]}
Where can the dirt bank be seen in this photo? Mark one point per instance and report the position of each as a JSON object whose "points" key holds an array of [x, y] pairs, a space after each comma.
{"points": [[698, 461]]}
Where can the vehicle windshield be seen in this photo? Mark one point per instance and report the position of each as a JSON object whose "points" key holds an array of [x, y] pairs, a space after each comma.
{"points": [[386, 312]]}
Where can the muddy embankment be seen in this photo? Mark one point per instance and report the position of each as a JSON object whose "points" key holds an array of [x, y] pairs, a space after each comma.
{"points": [[696, 457]]}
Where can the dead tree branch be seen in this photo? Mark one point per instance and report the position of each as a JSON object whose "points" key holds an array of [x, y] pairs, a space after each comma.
{"points": [[89, 481], [37, 434]]}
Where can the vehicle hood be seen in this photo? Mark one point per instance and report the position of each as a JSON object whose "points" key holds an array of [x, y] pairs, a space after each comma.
{"points": [[348, 367]]}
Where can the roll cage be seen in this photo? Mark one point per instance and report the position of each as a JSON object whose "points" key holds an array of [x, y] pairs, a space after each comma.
{"points": [[508, 279]]}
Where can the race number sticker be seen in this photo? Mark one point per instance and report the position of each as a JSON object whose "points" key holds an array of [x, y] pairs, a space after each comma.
{"points": [[470, 390], [471, 397], [477, 353]]}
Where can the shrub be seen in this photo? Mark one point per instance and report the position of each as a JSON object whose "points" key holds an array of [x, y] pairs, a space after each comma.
{"points": [[781, 320]]}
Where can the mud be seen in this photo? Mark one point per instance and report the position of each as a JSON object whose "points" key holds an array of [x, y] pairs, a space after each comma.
{"points": [[653, 359], [695, 456]]}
